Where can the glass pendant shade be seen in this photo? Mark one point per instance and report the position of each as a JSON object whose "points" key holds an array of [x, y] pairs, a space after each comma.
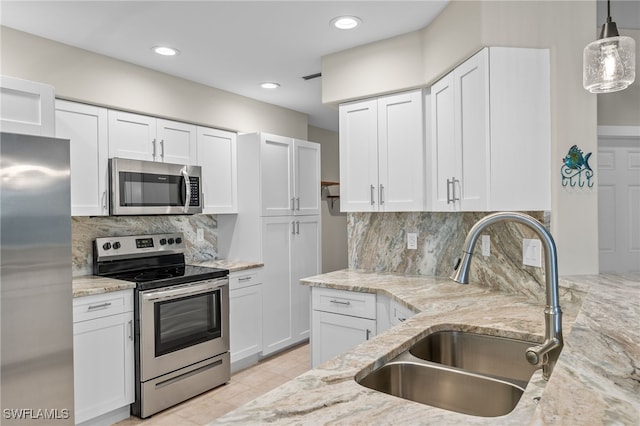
{"points": [[609, 64]]}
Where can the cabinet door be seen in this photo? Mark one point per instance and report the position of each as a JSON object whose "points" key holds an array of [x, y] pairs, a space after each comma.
{"points": [[359, 156], [132, 136], [401, 153], [217, 156], [473, 139], [103, 365], [276, 156], [26, 107], [277, 305], [86, 127], [443, 144], [306, 178], [176, 142], [245, 321], [306, 261], [334, 334]]}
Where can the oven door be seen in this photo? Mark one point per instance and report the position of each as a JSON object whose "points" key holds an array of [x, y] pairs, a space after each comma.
{"points": [[147, 187], [182, 325]]}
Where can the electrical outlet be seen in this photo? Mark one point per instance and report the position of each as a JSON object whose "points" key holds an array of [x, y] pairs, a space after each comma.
{"points": [[486, 245], [412, 241], [200, 235], [532, 252]]}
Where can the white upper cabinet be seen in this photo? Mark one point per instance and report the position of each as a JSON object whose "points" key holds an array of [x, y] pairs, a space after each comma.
{"points": [[490, 133], [86, 127], [217, 155], [289, 176], [26, 107], [140, 137], [382, 154]]}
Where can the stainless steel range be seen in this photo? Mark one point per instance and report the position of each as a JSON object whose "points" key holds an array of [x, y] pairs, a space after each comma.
{"points": [[181, 318]]}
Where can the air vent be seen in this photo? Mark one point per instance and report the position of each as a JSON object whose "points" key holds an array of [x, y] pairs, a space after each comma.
{"points": [[312, 76]]}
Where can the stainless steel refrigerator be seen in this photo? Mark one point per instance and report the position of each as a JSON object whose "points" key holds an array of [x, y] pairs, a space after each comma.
{"points": [[36, 317]]}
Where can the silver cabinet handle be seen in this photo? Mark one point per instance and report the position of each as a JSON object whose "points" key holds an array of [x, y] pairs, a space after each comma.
{"points": [[162, 148], [298, 227], [293, 228], [451, 194], [381, 194], [104, 201], [293, 204], [153, 142], [100, 306], [243, 279], [298, 203], [402, 319], [187, 185], [368, 334], [373, 188], [131, 330], [340, 302]]}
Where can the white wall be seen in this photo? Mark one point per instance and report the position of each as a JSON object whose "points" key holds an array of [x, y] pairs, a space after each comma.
{"points": [[464, 27], [84, 76]]}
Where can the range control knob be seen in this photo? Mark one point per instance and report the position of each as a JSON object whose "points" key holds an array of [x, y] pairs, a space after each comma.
{"points": [[116, 245], [171, 240], [163, 241], [178, 240], [106, 246]]}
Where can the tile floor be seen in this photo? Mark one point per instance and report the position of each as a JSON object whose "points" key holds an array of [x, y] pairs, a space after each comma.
{"points": [[244, 386]]}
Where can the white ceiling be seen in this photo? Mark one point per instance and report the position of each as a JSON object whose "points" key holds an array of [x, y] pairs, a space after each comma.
{"points": [[230, 45]]}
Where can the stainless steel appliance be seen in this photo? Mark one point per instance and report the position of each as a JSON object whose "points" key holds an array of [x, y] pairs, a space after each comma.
{"points": [[181, 318], [146, 187], [35, 272]]}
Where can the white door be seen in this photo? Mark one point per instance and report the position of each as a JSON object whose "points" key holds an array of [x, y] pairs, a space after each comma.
{"points": [[26, 107], [217, 155], [132, 136], [277, 312], [306, 262], [86, 127], [334, 334], [401, 153], [276, 154], [359, 156], [306, 178], [619, 205], [176, 142], [245, 322], [472, 125], [443, 148]]}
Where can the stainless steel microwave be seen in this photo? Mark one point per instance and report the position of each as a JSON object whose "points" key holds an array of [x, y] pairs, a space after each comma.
{"points": [[150, 188]]}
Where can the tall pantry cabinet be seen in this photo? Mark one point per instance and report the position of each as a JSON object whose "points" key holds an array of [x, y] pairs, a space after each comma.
{"points": [[278, 224]]}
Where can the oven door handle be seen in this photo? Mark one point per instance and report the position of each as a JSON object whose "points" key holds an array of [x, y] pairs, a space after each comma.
{"points": [[187, 187], [183, 290]]}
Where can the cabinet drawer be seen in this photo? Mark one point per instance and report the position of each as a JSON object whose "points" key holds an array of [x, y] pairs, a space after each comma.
{"points": [[244, 279], [344, 302], [102, 305], [398, 313]]}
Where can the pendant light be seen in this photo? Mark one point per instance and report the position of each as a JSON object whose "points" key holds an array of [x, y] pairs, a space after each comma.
{"points": [[609, 63]]}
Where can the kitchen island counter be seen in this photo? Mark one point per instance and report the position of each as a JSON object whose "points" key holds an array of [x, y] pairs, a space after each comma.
{"points": [[596, 379]]}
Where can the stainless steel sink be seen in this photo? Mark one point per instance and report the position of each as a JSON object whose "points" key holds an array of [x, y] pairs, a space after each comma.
{"points": [[441, 387], [469, 373], [479, 353]]}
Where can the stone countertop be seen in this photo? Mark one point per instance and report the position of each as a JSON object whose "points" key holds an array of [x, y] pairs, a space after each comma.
{"points": [[596, 379], [87, 285]]}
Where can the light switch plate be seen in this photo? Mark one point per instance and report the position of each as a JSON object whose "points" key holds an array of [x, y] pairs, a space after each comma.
{"points": [[412, 241], [486, 245], [532, 252]]}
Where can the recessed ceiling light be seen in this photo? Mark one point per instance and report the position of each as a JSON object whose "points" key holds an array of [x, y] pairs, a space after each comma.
{"points": [[269, 85], [346, 22], [165, 51]]}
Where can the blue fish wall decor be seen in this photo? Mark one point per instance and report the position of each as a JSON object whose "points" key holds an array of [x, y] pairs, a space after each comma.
{"points": [[575, 169]]}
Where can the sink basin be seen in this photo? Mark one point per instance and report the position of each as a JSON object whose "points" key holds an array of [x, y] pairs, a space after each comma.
{"points": [[478, 353], [469, 373], [441, 387]]}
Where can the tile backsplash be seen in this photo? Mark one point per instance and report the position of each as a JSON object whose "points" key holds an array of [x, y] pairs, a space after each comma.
{"points": [[86, 229], [378, 242]]}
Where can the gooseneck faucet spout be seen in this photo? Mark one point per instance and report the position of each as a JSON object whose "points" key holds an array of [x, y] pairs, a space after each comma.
{"points": [[545, 354]]}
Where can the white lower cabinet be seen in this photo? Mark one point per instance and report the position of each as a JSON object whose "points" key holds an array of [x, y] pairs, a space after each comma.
{"points": [[340, 321], [103, 351], [245, 317]]}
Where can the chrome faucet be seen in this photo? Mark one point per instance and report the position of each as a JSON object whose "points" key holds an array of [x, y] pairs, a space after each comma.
{"points": [[545, 354]]}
